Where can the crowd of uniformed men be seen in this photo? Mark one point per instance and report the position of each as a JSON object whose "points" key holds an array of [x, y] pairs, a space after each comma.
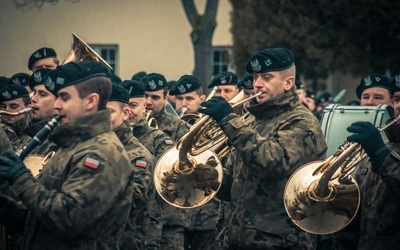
{"points": [[97, 190]]}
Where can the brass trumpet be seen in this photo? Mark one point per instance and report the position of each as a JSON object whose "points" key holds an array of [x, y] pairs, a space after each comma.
{"points": [[22, 111], [190, 174], [322, 197]]}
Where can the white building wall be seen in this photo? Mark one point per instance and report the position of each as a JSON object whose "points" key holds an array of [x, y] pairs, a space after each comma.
{"points": [[152, 35]]}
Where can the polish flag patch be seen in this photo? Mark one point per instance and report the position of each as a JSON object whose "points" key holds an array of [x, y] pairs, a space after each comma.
{"points": [[141, 164], [169, 142], [91, 163]]}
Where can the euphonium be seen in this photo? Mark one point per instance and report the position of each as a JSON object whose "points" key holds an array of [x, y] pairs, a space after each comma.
{"points": [[322, 197], [189, 175], [22, 111], [82, 52]]}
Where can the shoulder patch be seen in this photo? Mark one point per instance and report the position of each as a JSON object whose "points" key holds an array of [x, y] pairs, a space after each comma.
{"points": [[188, 125], [91, 163], [10, 130], [141, 164], [169, 142]]}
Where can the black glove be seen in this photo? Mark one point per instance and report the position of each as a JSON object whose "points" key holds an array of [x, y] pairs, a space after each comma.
{"points": [[11, 167], [368, 136], [217, 107]]}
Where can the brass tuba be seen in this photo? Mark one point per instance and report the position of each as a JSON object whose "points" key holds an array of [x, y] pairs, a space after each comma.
{"points": [[190, 174], [82, 52], [322, 197]]}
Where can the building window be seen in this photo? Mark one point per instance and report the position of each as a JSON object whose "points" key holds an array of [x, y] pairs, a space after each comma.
{"points": [[109, 53], [221, 59]]}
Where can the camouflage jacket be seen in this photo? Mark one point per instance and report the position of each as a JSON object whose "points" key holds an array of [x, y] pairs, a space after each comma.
{"points": [[4, 142], [156, 141], [172, 125], [284, 136], [14, 131], [83, 196], [380, 204], [145, 215]]}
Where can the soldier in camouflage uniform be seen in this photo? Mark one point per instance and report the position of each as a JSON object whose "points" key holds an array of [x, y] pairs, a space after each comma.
{"points": [[201, 231], [13, 99], [156, 141], [156, 98], [83, 196], [43, 111], [225, 84], [145, 215], [284, 136], [378, 179]]}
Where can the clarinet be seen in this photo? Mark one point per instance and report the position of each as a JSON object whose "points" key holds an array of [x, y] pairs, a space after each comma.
{"points": [[40, 137]]}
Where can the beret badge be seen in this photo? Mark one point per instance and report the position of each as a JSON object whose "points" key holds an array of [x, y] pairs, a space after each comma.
{"points": [[181, 89], [49, 83], [37, 76], [37, 55], [367, 81], [6, 94], [16, 81], [255, 65], [397, 79], [248, 83], [152, 84]]}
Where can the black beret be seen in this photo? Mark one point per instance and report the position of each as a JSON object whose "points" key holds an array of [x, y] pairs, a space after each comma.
{"points": [[135, 88], [185, 84], [224, 78], [13, 91], [115, 79], [395, 83], [371, 81], [353, 103], [310, 94], [154, 82], [20, 79], [41, 54], [299, 85], [170, 84], [246, 81], [137, 76], [3, 81], [275, 59], [73, 73], [119, 94], [324, 97], [37, 77]]}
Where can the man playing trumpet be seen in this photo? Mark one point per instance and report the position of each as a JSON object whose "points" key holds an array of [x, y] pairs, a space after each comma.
{"points": [[284, 136]]}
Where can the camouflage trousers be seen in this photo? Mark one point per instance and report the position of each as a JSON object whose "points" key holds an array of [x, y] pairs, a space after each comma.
{"points": [[173, 238]]}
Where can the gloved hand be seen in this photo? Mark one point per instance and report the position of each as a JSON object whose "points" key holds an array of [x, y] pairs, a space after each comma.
{"points": [[11, 167], [217, 107], [368, 136]]}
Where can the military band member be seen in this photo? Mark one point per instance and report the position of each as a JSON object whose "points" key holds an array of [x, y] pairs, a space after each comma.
{"points": [[156, 141], [83, 196], [246, 83], [188, 94], [374, 89], [226, 84], [42, 104], [284, 136], [43, 58], [201, 231], [156, 98], [13, 99], [145, 210]]}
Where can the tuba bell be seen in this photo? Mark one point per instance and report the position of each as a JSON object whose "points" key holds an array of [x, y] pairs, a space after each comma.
{"points": [[81, 51], [190, 174], [322, 197]]}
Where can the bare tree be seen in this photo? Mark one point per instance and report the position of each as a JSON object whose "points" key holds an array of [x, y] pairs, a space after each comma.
{"points": [[203, 27]]}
